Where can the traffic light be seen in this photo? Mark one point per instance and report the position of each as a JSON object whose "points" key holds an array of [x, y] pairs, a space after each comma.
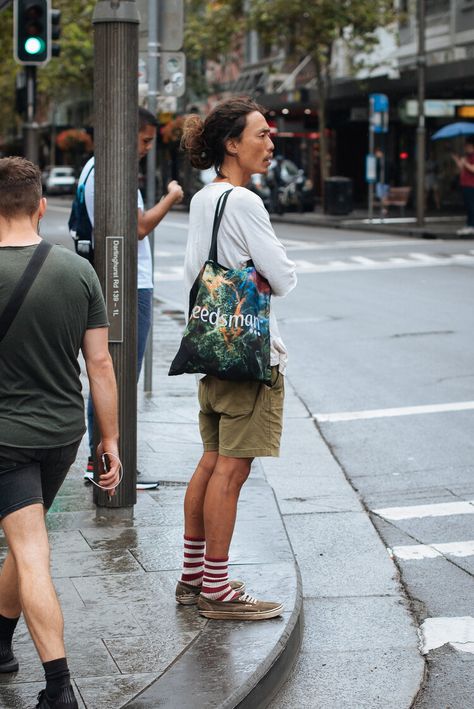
{"points": [[55, 32], [32, 31]]}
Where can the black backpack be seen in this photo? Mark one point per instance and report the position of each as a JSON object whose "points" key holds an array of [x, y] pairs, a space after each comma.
{"points": [[79, 223]]}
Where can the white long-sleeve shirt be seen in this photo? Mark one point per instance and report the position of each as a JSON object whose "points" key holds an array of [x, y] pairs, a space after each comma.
{"points": [[245, 233]]}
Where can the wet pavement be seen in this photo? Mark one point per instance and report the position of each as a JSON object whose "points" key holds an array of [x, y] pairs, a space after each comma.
{"points": [[128, 642]]}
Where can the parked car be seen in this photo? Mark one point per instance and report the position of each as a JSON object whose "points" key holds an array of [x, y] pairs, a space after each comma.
{"points": [[59, 180]]}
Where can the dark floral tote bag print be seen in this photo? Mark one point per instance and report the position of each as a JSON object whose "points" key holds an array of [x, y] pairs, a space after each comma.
{"points": [[228, 330]]}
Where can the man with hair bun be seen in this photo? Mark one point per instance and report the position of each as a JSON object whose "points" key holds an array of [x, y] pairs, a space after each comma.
{"points": [[42, 413], [238, 420]]}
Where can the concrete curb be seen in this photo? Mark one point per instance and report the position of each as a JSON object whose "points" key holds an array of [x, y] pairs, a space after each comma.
{"points": [[437, 230], [262, 654]]}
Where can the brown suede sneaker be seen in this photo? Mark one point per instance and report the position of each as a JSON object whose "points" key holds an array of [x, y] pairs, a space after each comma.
{"points": [[245, 607], [188, 595]]}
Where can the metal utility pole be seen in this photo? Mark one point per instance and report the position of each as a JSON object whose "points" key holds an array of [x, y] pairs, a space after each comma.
{"points": [[371, 183], [166, 77], [115, 213], [31, 127], [420, 131], [153, 83]]}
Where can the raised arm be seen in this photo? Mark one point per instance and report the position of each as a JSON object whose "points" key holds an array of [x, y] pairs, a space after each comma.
{"points": [[149, 219]]}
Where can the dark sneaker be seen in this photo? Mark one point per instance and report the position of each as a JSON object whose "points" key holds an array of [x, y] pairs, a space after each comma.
{"points": [[245, 607], [89, 474], [8, 663], [64, 700], [143, 484], [188, 595]]}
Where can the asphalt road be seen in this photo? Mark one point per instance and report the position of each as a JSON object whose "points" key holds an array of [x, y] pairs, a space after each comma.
{"points": [[380, 333]]}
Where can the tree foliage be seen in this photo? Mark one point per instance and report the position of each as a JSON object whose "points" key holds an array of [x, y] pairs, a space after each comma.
{"points": [[7, 73], [72, 71], [212, 27]]}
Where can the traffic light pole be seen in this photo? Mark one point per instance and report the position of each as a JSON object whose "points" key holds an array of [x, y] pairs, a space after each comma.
{"points": [[153, 83], [115, 213], [31, 127]]}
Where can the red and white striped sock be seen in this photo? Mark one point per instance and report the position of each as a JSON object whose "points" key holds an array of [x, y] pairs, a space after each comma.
{"points": [[215, 584], [193, 564]]}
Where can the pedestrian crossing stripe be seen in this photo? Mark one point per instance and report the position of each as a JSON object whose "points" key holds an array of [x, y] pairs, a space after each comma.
{"points": [[416, 552], [439, 509]]}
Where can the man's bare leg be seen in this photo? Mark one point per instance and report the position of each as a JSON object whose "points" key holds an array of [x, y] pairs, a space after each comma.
{"points": [[10, 606], [27, 539], [195, 495], [220, 504]]}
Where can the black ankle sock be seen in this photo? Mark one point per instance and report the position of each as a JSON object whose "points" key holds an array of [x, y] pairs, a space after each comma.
{"points": [[57, 676], [7, 628]]}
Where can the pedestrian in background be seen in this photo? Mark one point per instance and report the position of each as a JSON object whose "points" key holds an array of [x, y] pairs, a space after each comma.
{"points": [[42, 414], [381, 185], [465, 166], [147, 221], [238, 420], [432, 183]]}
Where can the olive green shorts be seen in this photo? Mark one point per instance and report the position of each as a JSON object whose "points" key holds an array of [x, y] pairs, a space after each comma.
{"points": [[241, 419]]}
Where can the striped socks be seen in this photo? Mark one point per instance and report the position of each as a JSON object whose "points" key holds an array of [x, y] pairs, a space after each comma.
{"points": [[193, 564], [215, 583]]}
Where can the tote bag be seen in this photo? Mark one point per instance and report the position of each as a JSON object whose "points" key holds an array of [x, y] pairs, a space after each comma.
{"points": [[228, 329]]}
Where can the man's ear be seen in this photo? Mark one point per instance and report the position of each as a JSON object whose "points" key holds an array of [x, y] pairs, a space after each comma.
{"points": [[42, 207], [231, 147]]}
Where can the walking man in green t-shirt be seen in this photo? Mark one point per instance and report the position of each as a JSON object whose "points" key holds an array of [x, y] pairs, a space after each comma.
{"points": [[42, 414]]}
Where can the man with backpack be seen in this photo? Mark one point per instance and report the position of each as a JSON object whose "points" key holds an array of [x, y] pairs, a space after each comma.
{"points": [[147, 221], [51, 305]]}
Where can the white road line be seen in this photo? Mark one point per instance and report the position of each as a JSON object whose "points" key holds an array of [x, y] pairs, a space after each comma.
{"points": [[414, 552], [457, 632], [176, 225], [363, 260], [388, 413], [438, 509], [387, 265], [423, 257], [295, 245], [58, 208], [173, 273]]}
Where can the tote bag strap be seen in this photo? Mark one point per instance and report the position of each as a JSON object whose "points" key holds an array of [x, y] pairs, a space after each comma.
{"points": [[22, 287], [217, 222]]}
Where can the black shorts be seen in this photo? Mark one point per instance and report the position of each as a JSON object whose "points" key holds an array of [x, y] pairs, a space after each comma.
{"points": [[32, 475]]}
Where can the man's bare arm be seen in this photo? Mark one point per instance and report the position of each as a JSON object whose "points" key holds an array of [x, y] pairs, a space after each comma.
{"points": [[148, 220], [103, 387]]}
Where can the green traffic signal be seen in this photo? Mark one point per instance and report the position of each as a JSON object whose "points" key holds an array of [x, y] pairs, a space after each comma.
{"points": [[32, 31], [34, 45]]}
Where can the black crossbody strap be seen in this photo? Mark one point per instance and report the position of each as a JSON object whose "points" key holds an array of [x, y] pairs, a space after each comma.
{"points": [[23, 286], [217, 222]]}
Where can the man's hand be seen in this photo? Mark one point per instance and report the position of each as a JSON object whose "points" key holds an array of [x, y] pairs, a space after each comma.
{"points": [[175, 191], [109, 478]]}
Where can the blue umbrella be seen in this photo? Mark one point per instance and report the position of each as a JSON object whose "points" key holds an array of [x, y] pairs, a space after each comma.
{"points": [[452, 130]]}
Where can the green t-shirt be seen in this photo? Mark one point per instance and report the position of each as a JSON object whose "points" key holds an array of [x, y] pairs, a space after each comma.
{"points": [[41, 402]]}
